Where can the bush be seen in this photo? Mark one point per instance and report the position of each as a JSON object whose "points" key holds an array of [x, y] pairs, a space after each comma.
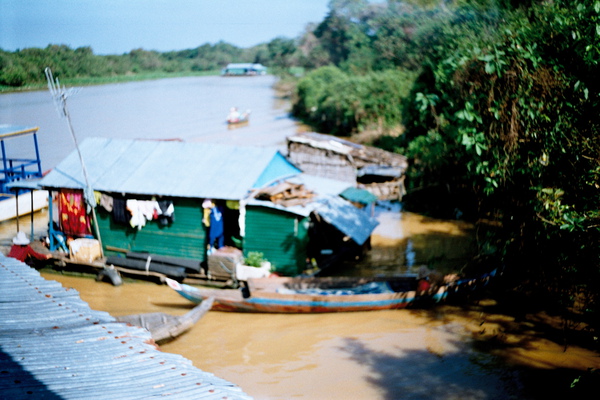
{"points": [[255, 259]]}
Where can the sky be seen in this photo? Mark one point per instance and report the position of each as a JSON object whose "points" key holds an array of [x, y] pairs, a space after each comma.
{"points": [[119, 26]]}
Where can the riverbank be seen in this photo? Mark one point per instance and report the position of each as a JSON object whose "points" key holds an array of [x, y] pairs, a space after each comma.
{"points": [[106, 80], [553, 362]]}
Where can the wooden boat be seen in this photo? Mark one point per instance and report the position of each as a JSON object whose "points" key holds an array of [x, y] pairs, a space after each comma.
{"points": [[321, 295], [235, 119], [164, 326]]}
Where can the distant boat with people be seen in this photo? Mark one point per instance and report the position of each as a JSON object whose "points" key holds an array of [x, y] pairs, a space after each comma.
{"points": [[235, 118]]}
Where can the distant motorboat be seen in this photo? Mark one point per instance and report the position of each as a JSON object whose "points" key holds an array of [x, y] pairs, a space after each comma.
{"points": [[235, 119]]}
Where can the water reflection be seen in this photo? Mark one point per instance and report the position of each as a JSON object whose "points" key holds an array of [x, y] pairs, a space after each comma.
{"points": [[405, 241]]}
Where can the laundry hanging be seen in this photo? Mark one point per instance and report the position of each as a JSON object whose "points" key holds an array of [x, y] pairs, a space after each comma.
{"points": [[73, 217]]}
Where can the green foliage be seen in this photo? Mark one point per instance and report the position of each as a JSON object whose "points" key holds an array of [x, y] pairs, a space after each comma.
{"points": [[343, 103], [520, 121], [24, 68], [255, 259], [502, 119], [282, 54]]}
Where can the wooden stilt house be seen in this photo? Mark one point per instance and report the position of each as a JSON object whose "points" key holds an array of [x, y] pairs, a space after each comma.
{"points": [[378, 171]]}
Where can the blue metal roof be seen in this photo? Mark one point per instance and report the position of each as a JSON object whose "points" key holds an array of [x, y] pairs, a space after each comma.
{"points": [[338, 212], [7, 130], [253, 66], [53, 346], [359, 195], [346, 218], [167, 168]]}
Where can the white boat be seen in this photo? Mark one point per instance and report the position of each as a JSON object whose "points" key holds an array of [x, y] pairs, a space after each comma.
{"points": [[36, 200], [19, 174]]}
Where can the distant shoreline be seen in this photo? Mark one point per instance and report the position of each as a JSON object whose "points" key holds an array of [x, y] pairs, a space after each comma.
{"points": [[105, 80]]}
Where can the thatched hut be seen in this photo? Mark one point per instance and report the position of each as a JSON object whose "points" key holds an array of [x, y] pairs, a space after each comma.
{"points": [[378, 171]]}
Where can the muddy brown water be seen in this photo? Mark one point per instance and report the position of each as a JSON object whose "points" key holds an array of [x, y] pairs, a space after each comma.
{"points": [[396, 354], [445, 353]]}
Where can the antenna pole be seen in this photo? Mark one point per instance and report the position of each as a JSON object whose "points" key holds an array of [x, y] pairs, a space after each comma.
{"points": [[60, 95]]}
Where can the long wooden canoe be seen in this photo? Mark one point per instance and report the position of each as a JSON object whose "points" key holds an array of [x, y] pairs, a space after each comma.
{"points": [[321, 295], [164, 326]]}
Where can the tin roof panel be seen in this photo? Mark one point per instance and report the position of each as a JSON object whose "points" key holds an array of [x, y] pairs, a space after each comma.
{"points": [[53, 346], [167, 168]]}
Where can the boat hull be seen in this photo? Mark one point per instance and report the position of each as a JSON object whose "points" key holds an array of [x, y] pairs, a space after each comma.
{"points": [[8, 205], [237, 124], [262, 301]]}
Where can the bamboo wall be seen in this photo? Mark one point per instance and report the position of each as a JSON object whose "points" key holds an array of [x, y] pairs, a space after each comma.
{"points": [[321, 162]]}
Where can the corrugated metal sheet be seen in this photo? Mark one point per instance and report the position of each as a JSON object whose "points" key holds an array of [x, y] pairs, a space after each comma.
{"points": [[319, 185], [167, 168], [359, 196], [53, 346], [346, 218], [338, 212]]}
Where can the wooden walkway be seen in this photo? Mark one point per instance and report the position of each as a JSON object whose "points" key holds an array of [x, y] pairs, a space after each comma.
{"points": [[53, 346]]}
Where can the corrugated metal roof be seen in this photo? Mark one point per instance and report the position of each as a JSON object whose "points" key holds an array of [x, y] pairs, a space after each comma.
{"points": [[346, 218], [359, 195], [245, 65], [167, 168], [53, 346], [336, 211]]}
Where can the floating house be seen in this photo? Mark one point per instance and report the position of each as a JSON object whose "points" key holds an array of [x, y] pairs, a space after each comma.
{"points": [[380, 172], [157, 197], [303, 222], [244, 69], [174, 203]]}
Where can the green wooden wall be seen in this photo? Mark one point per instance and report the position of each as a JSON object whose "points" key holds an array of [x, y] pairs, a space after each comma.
{"points": [[281, 237], [184, 238]]}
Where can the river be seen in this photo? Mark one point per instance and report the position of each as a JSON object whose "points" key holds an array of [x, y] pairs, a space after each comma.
{"points": [[190, 109], [400, 354]]}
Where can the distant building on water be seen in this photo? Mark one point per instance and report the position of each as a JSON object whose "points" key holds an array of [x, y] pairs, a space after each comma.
{"points": [[244, 69]]}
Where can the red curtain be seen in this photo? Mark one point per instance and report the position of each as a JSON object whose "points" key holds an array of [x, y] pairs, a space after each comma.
{"points": [[73, 218]]}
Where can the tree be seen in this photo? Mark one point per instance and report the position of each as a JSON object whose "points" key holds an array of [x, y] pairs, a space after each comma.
{"points": [[282, 53], [518, 119]]}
